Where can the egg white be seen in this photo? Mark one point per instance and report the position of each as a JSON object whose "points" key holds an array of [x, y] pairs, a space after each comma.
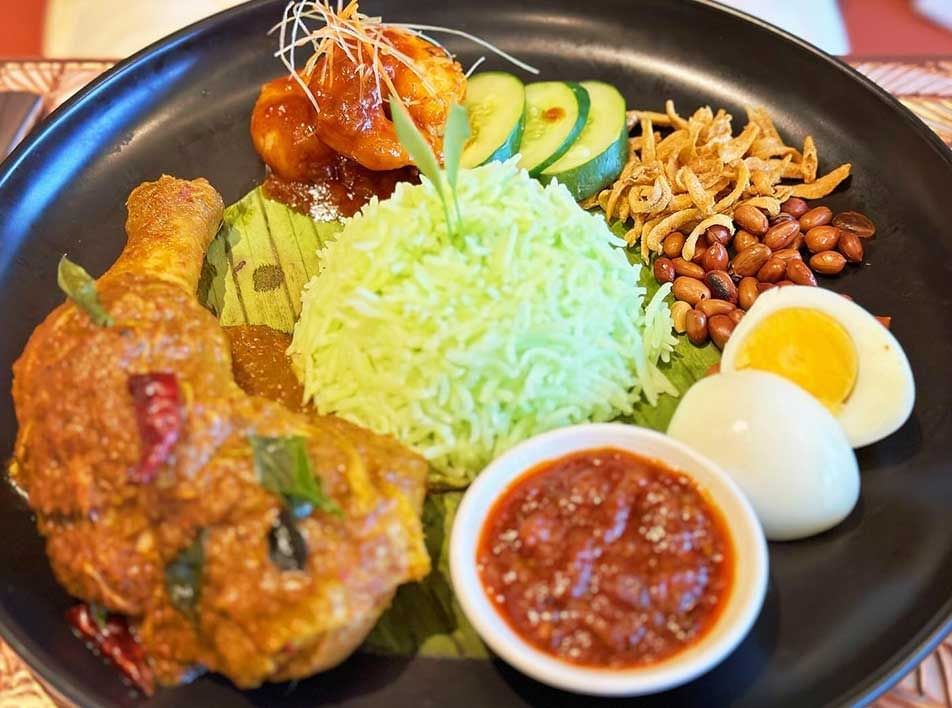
{"points": [[783, 448], [882, 399]]}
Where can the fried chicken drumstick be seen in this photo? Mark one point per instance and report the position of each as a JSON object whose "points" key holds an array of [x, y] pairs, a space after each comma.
{"points": [[186, 521]]}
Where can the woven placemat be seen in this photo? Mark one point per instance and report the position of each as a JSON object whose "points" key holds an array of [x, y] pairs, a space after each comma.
{"points": [[924, 85]]}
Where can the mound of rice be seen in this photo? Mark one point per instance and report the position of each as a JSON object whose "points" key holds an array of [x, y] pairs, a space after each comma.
{"points": [[530, 317]]}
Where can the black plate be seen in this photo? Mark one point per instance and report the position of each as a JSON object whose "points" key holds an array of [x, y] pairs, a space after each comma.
{"points": [[846, 613]]}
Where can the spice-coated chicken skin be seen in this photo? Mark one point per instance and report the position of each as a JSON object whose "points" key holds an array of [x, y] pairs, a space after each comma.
{"points": [[116, 523]]}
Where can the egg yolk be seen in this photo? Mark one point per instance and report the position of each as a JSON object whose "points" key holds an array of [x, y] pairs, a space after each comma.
{"points": [[807, 347]]}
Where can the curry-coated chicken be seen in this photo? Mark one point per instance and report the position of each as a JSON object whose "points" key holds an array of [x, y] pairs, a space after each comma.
{"points": [[239, 535]]}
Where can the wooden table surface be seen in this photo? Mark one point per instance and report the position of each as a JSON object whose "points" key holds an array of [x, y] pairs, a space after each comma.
{"points": [[922, 84]]}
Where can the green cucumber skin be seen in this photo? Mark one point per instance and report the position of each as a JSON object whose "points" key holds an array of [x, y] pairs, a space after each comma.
{"points": [[584, 105], [599, 172], [511, 146]]}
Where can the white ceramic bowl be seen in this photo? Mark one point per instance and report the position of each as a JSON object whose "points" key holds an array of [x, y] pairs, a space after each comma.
{"points": [[743, 604]]}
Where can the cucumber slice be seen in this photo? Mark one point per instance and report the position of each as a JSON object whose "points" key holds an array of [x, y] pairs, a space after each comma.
{"points": [[598, 156], [555, 115], [496, 103]]}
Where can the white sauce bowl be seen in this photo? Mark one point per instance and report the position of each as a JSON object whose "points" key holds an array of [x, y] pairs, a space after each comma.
{"points": [[733, 623]]}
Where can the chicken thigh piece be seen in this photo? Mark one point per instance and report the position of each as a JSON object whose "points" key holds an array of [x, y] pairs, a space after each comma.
{"points": [[200, 535]]}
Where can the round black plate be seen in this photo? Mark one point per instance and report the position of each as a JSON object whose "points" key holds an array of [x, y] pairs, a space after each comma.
{"points": [[846, 613]]}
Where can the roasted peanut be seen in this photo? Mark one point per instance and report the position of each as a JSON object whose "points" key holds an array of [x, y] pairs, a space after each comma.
{"points": [[683, 267], [719, 327], [679, 311], [721, 286], [884, 320], [715, 307], [664, 270], [797, 242], [817, 216], [673, 244], [747, 292], [781, 217], [781, 234], [784, 283], [713, 369], [691, 290], [715, 257], [851, 246], [744, 240], [718, 234], [736, 315], [856, 223], [772, 271], [695, 323], [764, 287], [822, 238], [800, 273], [828, 262], [795, 207], [750, 260], [785, 254], [751, 219]]}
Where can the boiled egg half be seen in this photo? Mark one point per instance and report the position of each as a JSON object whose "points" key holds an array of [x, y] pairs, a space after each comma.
{"points": [[786, 452], [833, 349]]}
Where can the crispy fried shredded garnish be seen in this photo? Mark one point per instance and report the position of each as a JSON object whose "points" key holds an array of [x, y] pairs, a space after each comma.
{"points": [[343, 33], [691, 173]]}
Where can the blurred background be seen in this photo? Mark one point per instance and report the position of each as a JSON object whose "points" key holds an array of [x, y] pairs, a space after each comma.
{"points": [[49, 49], [111, 29]]}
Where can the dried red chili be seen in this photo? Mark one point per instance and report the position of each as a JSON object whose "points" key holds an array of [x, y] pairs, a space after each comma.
{"points": [[158, 406], [113, 639]]}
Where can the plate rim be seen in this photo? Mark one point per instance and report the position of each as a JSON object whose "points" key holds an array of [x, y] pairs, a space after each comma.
{"points": [[902, 660]]}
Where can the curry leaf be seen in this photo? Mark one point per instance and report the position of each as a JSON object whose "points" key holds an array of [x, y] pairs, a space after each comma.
{"points": [[454, 139], [419, 150], [183, 577], [283, 467], [81, 289]]}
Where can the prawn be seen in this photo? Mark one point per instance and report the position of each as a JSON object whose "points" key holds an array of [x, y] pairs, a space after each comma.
{"points": [[339, 100]]}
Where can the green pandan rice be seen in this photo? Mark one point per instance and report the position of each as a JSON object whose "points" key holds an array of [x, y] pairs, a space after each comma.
{"points": [[528, 318]]}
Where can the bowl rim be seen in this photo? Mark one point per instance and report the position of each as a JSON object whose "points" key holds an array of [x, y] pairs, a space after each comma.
{"points": [[750, 566]]}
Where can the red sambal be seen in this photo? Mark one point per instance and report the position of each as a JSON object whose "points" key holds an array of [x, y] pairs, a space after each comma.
{"points": [[606, 559], [336, 187]]}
